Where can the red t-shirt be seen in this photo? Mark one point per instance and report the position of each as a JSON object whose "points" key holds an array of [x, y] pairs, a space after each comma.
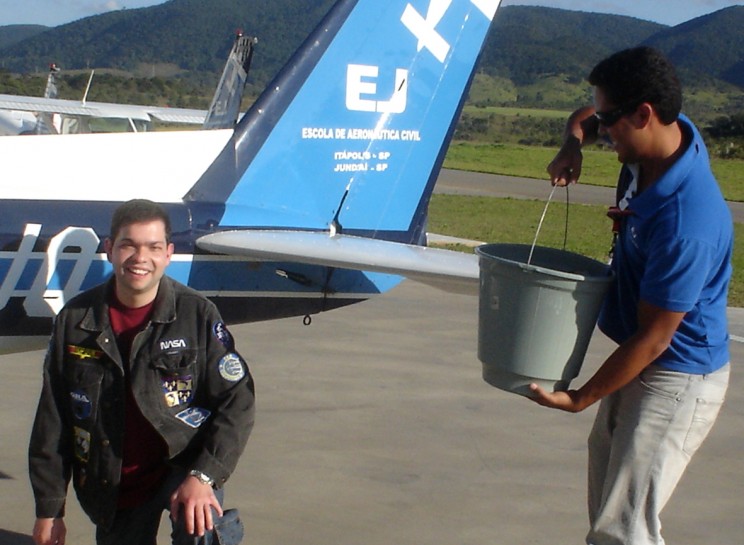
{"points": [[144, 451]]}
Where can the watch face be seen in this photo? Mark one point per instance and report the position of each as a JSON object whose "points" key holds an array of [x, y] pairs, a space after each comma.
{"points": [[203, 477]]}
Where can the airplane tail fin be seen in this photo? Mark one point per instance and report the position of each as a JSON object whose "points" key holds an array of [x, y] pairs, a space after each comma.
{"points": [[50, 91], [225, 108], [351, 134], [45, 121]]}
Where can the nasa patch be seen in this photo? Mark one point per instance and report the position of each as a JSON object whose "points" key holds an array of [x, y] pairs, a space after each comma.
{"points": [[231, 368], [82, 406], [193, 416], [173, 344]]}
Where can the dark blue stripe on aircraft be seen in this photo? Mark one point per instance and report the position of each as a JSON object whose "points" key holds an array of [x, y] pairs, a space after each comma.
{"points": [[234, 310]]}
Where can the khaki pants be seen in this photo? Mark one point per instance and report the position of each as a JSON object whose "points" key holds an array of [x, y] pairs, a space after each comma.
{"points": [[643, 438]]}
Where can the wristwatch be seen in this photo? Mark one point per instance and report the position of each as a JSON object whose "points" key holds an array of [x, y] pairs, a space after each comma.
{"points": [[203, 477]]}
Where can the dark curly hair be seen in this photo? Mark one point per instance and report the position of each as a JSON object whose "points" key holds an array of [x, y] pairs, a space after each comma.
{"points": [[641, 74], [138, 211]]}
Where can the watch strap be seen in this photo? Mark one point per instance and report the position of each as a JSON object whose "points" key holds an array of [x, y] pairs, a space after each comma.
{"points": [[203, 477]]}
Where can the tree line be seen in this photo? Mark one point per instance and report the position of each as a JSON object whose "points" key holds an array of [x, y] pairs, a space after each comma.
{"points": [[724, 135]]}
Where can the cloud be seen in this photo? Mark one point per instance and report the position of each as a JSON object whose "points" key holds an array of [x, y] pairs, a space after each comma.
{"points": [[100, 7], [92, 7]]}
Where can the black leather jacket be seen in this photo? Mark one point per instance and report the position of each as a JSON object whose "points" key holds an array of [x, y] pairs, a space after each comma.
{"points": [[189, 383]]}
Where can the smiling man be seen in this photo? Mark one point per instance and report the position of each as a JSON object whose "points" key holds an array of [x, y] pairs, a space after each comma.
{"points": [[139, 254], [145, 403], [662, 388]]}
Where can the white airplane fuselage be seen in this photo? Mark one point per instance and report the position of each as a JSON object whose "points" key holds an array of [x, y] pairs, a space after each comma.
{"points": [[317, 199]]}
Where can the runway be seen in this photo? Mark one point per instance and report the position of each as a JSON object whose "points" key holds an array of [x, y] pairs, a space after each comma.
{"points": [[374, 427], [458, 182]]}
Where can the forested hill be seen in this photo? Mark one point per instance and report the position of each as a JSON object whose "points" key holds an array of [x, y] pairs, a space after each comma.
{"points": [[713, 44], [13, 34], [529, 42], [195, 35], [526, 43]]}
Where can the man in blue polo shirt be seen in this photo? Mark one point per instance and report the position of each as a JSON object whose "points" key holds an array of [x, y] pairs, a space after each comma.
{"points": [[662, 388]]}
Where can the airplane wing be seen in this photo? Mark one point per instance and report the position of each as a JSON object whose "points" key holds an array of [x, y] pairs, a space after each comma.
{"points": [[448, 270], [101, 109], [222, 114]]}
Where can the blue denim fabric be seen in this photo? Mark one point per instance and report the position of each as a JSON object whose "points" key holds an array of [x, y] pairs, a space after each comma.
{"points": [[139, 526]]}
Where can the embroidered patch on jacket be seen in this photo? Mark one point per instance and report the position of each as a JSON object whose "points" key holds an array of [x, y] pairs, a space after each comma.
{"points": [[223, 335], [82, 444], [231, 368], [193, 416], [172, 344], [178, 390], [82, 406], [83, 353]]}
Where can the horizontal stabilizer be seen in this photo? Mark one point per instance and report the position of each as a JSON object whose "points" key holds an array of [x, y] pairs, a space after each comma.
{"points": [[445, 269]]}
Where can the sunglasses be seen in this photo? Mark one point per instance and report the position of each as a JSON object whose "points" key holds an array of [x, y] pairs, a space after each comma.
{"points": [[609, 118]]}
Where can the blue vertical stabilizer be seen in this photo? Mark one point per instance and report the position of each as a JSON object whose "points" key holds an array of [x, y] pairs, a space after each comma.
{"points": [[351, 134]]}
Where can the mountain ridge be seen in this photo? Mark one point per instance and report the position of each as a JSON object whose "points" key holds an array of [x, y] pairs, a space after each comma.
{"points": [[525, 43]]}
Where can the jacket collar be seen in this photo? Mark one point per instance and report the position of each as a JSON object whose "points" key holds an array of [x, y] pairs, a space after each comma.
{"points": [[96, 316]]}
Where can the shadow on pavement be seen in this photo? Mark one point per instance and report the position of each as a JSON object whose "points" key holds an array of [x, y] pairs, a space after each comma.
{"points": [[14, 538]]}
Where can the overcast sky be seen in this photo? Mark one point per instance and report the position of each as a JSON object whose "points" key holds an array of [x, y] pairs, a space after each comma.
{"points": [[669, 12]]}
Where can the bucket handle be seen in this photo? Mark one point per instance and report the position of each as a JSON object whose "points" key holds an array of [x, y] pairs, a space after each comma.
{"points": [[542, 218]]}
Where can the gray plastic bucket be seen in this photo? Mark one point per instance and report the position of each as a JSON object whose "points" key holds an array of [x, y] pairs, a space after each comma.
{"points": [[535, 321]]}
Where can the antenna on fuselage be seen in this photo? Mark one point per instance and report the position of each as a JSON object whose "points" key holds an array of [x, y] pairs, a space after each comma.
{"points": [[87, 87]]}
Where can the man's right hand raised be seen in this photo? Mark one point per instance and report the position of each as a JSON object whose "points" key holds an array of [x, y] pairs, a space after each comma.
{"points": [[565, 168], [581, 129]]}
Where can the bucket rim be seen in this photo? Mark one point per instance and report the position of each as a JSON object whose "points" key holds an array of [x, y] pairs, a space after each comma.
{"points": [[530, 268]]}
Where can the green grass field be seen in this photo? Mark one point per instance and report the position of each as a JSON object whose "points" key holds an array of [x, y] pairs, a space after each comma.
{"points": [[518, 112], [600, 167], [515, 220]]}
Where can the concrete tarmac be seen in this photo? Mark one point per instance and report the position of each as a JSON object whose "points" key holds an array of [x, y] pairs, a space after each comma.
{"points": [[375, 427]]}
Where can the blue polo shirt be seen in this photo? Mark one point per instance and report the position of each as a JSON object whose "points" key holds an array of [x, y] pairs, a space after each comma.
{"points": [[674, 251]]}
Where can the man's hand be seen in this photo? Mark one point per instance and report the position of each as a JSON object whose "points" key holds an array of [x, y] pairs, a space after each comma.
{"points": [[581, 129], [565, 168], [656, 327], [198, 500], [565, 401], [50, 531]]}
